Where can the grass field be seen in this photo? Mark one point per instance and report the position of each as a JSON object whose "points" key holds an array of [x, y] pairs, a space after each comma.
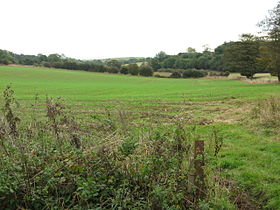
{"points": [[247, 166], [83, 86]]}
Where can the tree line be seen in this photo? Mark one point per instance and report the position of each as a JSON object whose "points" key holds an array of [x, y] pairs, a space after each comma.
{"points": [[250, 55], [62, 62]]}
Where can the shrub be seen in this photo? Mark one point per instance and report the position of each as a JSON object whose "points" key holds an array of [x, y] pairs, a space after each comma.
{"points": [[112, 70], [193, 74], [124, 70], [160, 76], [176, 74], [133, 69], [52, 162], [6, 57], [146, 71], [225, 73], [217, 74]]}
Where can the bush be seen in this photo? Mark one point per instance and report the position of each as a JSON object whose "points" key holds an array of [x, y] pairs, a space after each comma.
{"points": [[219, 74], [225, 73], [176, 74], [160, 76], [6, 57], [112, 69], [193, 74], [51, 161], [124, 70], [133, 69], [146, 71]]}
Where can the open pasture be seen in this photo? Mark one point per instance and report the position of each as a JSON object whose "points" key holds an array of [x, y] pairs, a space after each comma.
{"points": [[248, 163], [92, 87]]}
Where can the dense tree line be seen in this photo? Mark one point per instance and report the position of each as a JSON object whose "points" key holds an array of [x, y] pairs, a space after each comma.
{"points": [[62, 62], [248, 56], [192, 60]]}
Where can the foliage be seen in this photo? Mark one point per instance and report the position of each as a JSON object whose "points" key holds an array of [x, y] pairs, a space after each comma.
{"points": [[6, 57], [47, 165], [271, 24], [112, 69], [193, 74], [216, 73], [133, 69], [169, 62], [161, 56], [248, 56], [176, 74], [154, 63], [146, 70], [124, 70], [113, 63], [243, 55]]}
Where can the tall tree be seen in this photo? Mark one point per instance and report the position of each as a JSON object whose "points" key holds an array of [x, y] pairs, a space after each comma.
{"points": [[161, 56], [243, 55], [271, 24], [6, 57], [113, 63]]}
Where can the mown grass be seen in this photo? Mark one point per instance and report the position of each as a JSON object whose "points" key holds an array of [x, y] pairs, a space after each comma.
{"points": [[119, 108]]}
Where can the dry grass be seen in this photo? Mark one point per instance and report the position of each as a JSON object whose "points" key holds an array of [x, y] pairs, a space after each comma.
{"points": [[267, 112]]}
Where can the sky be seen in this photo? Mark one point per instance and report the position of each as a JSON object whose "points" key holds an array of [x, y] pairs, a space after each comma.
{"points": [[93, 29]]}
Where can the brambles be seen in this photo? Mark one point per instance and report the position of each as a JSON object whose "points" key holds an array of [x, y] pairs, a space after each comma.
{"points": [[115, 166], [8, 113]]}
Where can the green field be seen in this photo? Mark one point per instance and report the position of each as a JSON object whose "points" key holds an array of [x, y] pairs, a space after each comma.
{"points": [[247, 166], [83, 86]]}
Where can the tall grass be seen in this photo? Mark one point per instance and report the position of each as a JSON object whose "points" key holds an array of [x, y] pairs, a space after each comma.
{"points": [[58, 162], [267, 112]]}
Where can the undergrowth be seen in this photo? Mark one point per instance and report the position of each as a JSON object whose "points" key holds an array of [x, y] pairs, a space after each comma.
{"points": [[267, 112], [59, 162]]}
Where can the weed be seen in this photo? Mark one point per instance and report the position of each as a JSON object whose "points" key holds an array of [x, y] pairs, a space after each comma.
{"points": [[267, 112]]}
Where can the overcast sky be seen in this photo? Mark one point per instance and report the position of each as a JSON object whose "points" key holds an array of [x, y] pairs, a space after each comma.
{"points": [[89, 29]]}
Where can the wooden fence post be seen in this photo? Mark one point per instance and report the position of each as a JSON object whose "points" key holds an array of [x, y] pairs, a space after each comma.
{"points": [[199, 180]]}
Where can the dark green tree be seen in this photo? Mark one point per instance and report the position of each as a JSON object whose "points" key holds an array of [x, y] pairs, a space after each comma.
{"points": [[169, 62], [243, 55], [6, 57], [124, 70], [161, 56], [154, 63], [180, 63], [53, 58], [114, 63], [193, 74], [271, 24]]}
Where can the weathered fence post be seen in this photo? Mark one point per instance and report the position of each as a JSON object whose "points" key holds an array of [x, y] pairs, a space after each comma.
{"points": [[199, 179]]}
